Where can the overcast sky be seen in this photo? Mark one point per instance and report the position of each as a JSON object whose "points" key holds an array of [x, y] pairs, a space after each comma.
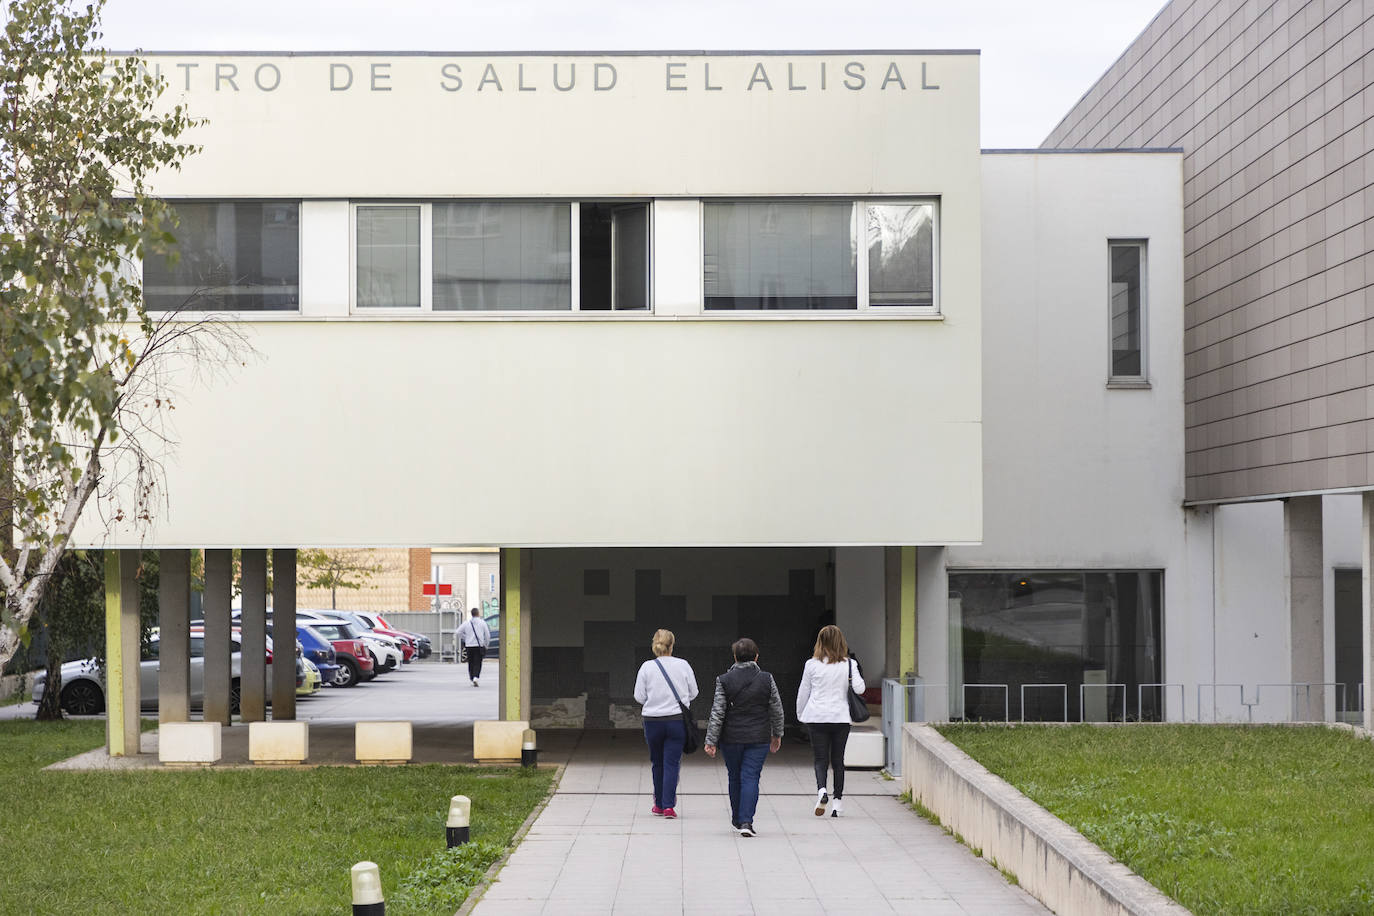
{"points": [[1038, 56]]}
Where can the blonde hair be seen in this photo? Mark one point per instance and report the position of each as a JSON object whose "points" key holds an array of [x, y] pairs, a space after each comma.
{"points": [[663, 642], [830, 645]]}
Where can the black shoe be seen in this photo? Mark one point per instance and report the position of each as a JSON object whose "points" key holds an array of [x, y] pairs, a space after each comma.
{"points": [[747, 830]]}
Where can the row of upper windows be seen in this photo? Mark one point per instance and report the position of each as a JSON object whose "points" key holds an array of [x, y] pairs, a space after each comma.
{"points": [[525, 256]]}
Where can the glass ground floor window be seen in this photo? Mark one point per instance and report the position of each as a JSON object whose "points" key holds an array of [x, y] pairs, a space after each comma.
{"points": [[1072, 634]]}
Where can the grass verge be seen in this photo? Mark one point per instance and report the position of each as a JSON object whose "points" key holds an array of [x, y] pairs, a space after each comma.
{"points": [[240, 841], [1226, 820]]}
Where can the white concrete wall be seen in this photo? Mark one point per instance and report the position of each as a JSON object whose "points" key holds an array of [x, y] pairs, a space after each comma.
{"points": [[860, 607], [675, 428]]}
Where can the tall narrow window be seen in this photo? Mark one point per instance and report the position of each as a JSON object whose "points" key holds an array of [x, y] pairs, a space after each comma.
{"points": [[233, 255], [388, 257], [1127, 304]]}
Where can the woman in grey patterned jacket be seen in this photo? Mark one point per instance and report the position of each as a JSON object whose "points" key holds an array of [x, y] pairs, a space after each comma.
{"points": [[746, 724]]}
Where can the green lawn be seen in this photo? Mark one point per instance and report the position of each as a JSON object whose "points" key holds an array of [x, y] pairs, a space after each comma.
{"points": [[239, 841], [1226, 820]]}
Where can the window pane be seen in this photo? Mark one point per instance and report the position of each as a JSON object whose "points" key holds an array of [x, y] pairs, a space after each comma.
{"points": [[388, 257], [901, 255], [234, 256], [1056, 627], [502, 256], [631, 258], [780, 255], [1125, 306]]}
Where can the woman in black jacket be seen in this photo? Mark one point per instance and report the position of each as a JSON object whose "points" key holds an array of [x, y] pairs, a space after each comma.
{"points": [[746, 724]]}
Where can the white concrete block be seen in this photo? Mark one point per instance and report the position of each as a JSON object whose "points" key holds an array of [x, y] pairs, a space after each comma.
{"points": [[497, 740], [866, 748], [382, 742], [278, 742], [188, 743]]}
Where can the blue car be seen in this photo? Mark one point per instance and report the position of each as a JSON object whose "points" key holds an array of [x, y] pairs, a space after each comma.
{"points": [[318, 649]]}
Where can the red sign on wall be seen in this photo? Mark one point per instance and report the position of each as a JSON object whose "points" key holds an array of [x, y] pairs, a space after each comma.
{"points": [[444, 588]]}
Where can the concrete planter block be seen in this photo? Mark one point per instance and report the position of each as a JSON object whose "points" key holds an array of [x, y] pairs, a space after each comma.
{"points": [[498, 740], [278, 742], [188, 743], [866, 748], [382, 742]]}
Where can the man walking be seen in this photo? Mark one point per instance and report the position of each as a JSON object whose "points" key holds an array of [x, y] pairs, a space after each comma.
{"points": [[474, 636], [746, 724]]}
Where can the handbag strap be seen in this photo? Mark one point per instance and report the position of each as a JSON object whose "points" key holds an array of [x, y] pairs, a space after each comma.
{"points": [[670, 682]]}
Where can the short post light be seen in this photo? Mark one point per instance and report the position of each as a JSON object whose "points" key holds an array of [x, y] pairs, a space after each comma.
{"points": [[367, 890], [459, 812], [529, 750]]}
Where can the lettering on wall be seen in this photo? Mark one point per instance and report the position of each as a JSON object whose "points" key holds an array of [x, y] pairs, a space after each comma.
{"points": [[556, 76]]}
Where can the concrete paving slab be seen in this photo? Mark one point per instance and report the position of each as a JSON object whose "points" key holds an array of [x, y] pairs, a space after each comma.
{"points": [[595, 848]]}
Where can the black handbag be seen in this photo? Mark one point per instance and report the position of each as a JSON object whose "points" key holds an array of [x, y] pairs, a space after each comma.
{"points": [[858, 709], [691, 735]]}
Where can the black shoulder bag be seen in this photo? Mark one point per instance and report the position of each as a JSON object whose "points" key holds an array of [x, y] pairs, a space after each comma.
{"points": [[858, 709], [691, 735]]}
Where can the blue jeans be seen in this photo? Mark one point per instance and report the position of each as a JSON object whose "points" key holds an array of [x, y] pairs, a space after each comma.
{"points": [[744, 764], [664, 737]]}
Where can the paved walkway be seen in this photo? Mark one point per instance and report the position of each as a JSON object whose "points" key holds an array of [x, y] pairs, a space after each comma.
{"points": [[595, 849]]}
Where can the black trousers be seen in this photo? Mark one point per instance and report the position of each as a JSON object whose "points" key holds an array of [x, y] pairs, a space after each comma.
{"points": [[475, 655], [827, 746]]}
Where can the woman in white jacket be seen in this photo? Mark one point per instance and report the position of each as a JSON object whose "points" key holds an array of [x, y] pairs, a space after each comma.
{"points": [[663, 728], [823, 704]]}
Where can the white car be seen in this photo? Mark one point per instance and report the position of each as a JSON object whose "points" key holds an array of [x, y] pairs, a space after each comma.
{"points": [[386, 655]]}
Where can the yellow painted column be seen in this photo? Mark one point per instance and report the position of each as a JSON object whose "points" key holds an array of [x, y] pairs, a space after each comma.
{"points": [[907, 656], [512, 639], [122, 639]]}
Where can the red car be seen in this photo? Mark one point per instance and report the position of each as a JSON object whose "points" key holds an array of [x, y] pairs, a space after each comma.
{"points": [[355, 662]]}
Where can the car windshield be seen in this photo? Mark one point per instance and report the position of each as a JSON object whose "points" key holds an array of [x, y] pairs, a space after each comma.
{"points": [[338, 630]]}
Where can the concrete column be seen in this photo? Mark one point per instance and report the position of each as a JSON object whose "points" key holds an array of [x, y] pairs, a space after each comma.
{"points": [[219, 588], [283, 634], [1302, 536], [122, 638], [1367, 590], [253, 632], [933, 655], [174, 639], [892, 612], [516, 661]]}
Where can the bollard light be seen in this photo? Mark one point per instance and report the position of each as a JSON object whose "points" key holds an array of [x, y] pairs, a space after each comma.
{"points": [[529, 751], [367, 890], [459, 811]]}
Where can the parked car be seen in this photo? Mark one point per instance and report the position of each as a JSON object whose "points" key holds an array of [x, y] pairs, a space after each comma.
{"points": [[423, 647], [83, 681], [372, 622], [349, 649], [386, 652], [308, 678]]}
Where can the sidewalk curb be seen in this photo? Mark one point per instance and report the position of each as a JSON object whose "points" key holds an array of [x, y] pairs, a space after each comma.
{"points": [[480, 891]]}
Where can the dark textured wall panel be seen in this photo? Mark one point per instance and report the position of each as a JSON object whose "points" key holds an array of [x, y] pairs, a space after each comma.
{"points": [[1273, 105]]}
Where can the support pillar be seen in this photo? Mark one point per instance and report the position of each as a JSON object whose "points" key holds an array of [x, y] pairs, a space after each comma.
{"points": [[936, 648], [174, 636], [252, 633], [283, 634], [122, 637], [516, 660], [219, 588], [1367, 593], [1303, 567]]}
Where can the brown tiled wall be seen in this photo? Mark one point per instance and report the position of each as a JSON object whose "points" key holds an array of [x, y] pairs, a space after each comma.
{"points": [[419, 575], [1273, 105]]}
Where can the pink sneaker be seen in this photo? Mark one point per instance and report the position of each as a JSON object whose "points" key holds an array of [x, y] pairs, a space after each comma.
{"points": [[669, 812], [656, 811]]}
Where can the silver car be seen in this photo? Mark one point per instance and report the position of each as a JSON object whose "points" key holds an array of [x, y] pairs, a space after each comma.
{"points": [[83, 681]]}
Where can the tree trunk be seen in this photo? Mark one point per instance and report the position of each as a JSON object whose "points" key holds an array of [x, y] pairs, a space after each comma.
{"points": [[50, 708]]}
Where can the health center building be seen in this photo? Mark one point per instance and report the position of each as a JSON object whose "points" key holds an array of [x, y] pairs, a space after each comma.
{"points": [[728, 343]]}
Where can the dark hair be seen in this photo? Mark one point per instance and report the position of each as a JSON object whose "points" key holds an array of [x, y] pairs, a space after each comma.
{"points": [[475, 612], [745, 649]]}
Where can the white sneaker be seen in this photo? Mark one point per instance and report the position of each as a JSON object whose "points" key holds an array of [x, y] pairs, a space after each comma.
{"points": [[474, 682], [822, 800], [836, 807]]}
